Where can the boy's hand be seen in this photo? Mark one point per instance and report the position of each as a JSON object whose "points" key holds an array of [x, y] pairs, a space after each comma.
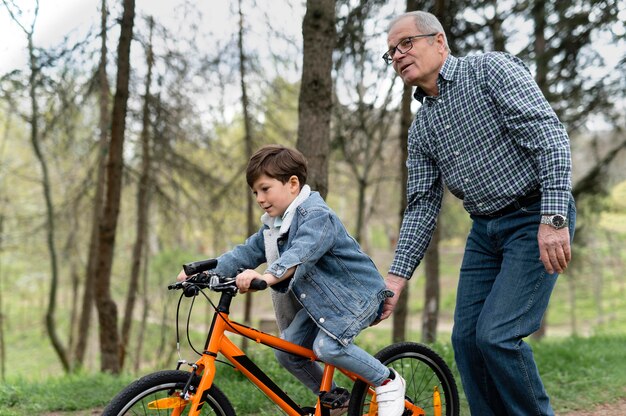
{"points": [[244, 278], [181, 276]]}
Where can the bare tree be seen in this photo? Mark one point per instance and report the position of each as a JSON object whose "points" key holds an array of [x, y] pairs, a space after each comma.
{"points": [[84, 324], [34, 79], [249, 144], [406, 118], [143, 203], [3, 354], [107, 309], [315, 102]]}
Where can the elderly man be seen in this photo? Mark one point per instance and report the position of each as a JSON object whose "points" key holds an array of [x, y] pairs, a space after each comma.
{"points": [[485, 131]]}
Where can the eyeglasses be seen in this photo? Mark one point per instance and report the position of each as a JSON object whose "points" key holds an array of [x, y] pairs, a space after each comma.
{"points": [[403, 46]]}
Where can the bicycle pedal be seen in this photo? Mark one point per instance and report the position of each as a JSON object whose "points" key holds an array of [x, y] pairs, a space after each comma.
{"points": [[335, 398]]}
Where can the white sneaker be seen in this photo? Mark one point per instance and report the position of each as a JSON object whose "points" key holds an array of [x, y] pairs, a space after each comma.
{"points": [[390, 396]]}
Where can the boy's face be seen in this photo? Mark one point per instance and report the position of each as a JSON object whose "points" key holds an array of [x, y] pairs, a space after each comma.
{"points": [[274, 196]]}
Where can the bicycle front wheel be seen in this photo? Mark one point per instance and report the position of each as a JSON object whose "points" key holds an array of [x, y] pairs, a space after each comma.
{"points": [[430, 385], [158, 393]]}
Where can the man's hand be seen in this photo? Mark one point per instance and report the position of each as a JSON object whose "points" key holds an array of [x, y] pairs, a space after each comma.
{"points": [[396, 284], [554, 248]]}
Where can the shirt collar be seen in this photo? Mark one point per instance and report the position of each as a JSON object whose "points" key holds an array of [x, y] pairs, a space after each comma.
{"points": [[446, 73]]}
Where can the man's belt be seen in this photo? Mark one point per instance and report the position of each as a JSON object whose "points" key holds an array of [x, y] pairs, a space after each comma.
{"points": [[524, 201]]}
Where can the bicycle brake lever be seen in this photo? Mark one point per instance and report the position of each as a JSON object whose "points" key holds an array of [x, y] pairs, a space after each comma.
{"points": [[175, 286], [191, 290]]}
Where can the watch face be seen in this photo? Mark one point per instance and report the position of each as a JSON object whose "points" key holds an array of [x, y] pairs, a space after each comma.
{"points": [[558, 221]]}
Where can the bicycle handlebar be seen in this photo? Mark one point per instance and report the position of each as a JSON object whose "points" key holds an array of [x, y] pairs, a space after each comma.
{"points": [[214, 282], [258, 284], [199, 266]]}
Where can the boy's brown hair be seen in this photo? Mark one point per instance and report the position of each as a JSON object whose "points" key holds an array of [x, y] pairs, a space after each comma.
{"points": [[277, 162]]}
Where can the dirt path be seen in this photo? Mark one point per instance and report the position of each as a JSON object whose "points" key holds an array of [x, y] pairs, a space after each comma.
{"points": [[612, 409]]}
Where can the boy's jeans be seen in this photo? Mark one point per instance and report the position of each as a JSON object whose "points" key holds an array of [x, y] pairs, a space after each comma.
{"points": [[502, 295], [303, 331]]}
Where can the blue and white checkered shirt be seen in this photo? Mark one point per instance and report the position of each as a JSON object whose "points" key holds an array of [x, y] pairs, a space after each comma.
{"points": [[491, 137]]}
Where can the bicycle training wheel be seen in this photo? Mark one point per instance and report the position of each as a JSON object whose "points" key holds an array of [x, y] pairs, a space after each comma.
{"points": [[157, 394], [430, 385]]}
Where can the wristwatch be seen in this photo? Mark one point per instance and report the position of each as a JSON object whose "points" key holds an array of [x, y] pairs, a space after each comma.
{"points": [[556, 221]]}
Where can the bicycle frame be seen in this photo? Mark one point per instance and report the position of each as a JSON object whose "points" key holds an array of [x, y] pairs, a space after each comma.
{"points": [[218, 343]]}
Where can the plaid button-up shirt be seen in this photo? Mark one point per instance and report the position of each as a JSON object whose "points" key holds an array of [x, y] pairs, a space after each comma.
{"points": [[491, 137]]}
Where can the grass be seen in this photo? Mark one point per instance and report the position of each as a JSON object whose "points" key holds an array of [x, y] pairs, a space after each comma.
{"points": [[579, 373]]}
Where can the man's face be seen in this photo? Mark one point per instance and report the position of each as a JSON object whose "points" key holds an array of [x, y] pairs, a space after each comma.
{"points": [[421, 64]]}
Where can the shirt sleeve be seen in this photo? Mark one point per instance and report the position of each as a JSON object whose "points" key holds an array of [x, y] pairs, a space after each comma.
{"points": [[424, 196], [527, 115], [249, 255], [314, 237]]}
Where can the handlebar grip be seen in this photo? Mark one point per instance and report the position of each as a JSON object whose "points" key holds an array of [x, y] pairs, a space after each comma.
{"points": [[199, 266], [258, 284]]}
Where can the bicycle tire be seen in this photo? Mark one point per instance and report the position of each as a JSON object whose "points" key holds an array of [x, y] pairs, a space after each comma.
{"points": [[422, 368], [134, 399]]}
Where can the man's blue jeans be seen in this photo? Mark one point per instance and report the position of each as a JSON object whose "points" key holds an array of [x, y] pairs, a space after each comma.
{"points": [[502, 296]]}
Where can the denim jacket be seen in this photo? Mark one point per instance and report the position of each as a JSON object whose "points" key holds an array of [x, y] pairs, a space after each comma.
{"points": [[335, 281]]}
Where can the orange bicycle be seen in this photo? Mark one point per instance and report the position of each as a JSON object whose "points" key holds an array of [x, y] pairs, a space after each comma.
{"points": [[430, 385]]}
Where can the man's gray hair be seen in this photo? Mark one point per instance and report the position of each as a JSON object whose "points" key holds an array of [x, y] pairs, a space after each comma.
{"points": [[424, 22]]}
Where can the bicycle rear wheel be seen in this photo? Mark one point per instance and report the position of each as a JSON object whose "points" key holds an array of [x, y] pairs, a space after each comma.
{"points": [[157, 394], [430, 384]]}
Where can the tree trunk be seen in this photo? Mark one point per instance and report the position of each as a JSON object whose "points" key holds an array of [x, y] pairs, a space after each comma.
{"points": [[107, 309], [3, 354], [60, 350], [249, 143], [541, 61], [145, 303], [315, 101], [360, 216], [96, 216], [495, 25], [401, 311], [430, 316], [571, 284], [143, 205]]}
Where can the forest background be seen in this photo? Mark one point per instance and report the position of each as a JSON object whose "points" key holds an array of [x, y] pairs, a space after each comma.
{"points": [[123, 146]]}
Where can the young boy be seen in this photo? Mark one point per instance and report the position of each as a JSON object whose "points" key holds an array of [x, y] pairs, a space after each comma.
{"points": [[311, 256]]}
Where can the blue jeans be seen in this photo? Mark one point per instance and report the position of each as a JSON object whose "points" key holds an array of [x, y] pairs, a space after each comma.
{"points": [[502, 295], [303, 331]]}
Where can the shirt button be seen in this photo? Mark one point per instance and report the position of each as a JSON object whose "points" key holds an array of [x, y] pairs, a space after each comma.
{"points": [[466, 180], [321, 320], [280, 242], [457, 153], [448, 126], [303, 295]]}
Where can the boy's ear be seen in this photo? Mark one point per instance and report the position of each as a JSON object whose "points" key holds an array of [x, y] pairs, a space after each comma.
{"points": [[294, 182]]}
